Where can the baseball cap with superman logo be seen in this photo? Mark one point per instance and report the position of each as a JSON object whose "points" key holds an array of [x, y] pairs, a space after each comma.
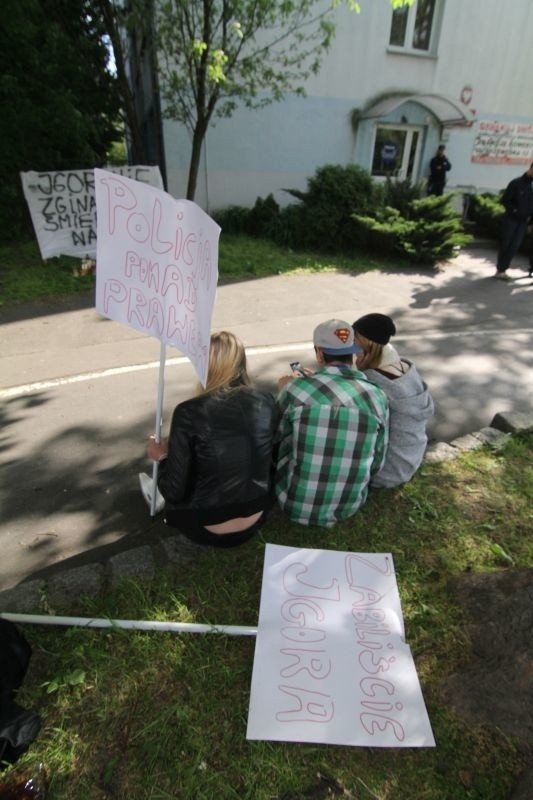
{"points": [[335, 337]]}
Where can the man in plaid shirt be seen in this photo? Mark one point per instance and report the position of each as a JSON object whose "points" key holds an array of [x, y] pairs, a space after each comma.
{"points": [[333, 433]]}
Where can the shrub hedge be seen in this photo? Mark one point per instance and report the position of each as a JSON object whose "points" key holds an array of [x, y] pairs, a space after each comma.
{"points": [[344, 210], [485, 212], [426, 231]]}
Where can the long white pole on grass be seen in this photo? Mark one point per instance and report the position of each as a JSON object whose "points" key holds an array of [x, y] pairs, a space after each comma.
{"points": [[129, 624], [158, 423]]}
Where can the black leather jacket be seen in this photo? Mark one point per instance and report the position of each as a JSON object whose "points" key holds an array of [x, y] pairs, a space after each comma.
{"points": [[518, 198], [219, 461], [438, 167]]}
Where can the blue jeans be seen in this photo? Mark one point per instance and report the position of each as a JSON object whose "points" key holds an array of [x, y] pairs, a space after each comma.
{"points": [[512, 235]]}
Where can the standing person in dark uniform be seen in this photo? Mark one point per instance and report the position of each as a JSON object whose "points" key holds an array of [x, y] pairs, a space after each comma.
{"points": [[517, 200], [438, 167]]}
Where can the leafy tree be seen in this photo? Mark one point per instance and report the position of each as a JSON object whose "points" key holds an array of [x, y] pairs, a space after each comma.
{"points": [[215, 54], [59, 105], [129, 37]]}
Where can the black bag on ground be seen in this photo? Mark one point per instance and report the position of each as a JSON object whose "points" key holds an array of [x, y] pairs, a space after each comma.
{"points": [[18, 728]]}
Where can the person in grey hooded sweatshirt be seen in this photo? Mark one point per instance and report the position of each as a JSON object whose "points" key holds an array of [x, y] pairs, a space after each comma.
{"points": [[411, 404]]}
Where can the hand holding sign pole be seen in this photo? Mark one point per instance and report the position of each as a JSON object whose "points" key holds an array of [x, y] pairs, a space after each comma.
{"points": [[157, 270], [151, 493]]}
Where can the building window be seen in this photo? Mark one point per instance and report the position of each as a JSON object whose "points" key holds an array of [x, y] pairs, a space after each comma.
{"points": [[413, 28], [396, 152]]}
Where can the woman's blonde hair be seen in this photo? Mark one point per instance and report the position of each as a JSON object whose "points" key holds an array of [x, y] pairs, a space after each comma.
{"points": [[372, 353], [227, 364]]}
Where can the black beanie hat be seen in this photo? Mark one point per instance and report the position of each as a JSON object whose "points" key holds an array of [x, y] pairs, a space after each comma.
{"points": [[376, 327]]}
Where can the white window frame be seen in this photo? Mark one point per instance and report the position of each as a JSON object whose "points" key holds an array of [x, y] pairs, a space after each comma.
{"points": [[407, 47], [402, 172]]}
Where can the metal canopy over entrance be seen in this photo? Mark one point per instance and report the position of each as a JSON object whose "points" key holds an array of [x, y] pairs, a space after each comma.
{"points": [[447, 111]]}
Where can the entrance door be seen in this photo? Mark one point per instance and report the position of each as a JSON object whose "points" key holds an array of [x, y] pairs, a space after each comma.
{"points": [[396, 151]]}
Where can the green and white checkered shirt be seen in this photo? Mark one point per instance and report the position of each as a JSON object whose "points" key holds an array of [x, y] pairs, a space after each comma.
{"points": [[333, 437]]}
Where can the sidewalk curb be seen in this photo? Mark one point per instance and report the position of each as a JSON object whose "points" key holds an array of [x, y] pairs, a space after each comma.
{"points": [[64, 591]]}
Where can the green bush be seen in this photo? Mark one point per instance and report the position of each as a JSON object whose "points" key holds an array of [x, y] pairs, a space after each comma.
{"points": [[291, 227], [399, 194], [485, 211], [260, 221], [263, 218], [324, 219], [233, 219], [428, 231]]}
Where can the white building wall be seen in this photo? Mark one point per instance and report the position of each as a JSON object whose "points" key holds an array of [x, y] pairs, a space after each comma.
{"points": [[484, 44]]}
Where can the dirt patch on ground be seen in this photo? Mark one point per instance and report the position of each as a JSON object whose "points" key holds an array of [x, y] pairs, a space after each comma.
{"points": [[496, 686]]}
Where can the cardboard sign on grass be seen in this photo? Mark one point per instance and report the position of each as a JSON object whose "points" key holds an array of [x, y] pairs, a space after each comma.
{"points": [[63, 207], [156, 265], [331, 664]]}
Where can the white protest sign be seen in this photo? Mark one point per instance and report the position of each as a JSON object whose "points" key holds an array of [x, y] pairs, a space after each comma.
{"points": [[331, 664], [63, 207], [157, 264], [503, 143]]}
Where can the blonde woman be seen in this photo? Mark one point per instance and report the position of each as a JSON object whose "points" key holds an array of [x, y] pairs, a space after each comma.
{"points": [[410, 403], [215, 467]]}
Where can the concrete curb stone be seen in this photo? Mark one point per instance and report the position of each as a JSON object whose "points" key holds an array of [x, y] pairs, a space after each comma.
{"points": [[177, 550], [24, 598], [512, 422], [440, 451], [66, 589], [138, 564], [495, 435], [466, 443], [492, 436]]}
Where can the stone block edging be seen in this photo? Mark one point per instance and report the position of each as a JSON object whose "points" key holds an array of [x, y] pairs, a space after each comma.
{"points": [[495, 435]]}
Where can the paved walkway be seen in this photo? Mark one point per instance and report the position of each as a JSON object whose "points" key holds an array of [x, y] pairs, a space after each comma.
{"points": [[78, 392]]}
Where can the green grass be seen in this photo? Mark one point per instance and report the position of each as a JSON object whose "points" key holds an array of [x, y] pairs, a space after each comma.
{"points": [[243, 257], [25, 277], [159, 716]]}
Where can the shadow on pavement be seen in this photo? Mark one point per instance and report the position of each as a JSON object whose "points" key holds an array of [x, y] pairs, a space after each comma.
{"points": [[47, 307], [76, 491]]}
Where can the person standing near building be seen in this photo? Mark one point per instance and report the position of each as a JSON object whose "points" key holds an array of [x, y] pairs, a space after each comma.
{"points": [[517, 200], [333, 433], [438, 167]]}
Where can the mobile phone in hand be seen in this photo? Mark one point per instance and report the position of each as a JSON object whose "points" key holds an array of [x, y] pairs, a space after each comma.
{"points": [[297, 367]]}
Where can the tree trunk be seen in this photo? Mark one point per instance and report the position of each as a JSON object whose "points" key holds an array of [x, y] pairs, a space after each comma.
{"points": [[196, 152], [138, 149]]}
